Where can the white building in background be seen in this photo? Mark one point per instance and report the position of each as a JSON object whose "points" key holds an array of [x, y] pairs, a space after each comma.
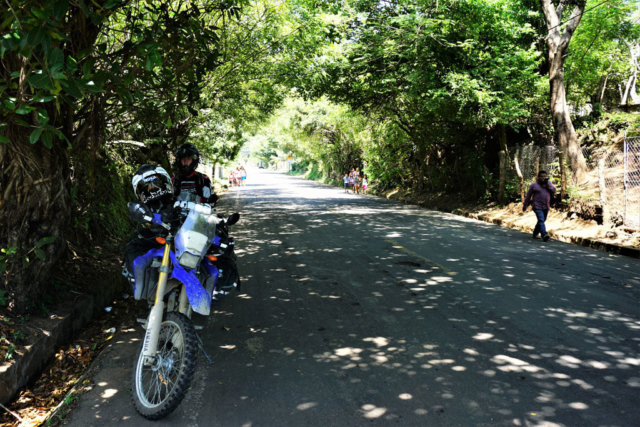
{"points": [[205, 167], [219, 172]]}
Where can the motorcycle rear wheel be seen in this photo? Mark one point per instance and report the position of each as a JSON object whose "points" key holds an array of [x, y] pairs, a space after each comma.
{"points": [[159, 389]]}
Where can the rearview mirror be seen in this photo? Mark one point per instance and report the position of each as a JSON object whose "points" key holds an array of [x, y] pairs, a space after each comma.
{"points": [[139, 212], [233, 218]]}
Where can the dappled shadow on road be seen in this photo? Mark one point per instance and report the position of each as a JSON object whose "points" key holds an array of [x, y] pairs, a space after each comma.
{"points": [[356, 309], [488, 324]]}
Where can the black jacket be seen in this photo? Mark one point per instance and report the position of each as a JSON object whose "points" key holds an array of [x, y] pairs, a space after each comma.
{"points": [[197, 183]]}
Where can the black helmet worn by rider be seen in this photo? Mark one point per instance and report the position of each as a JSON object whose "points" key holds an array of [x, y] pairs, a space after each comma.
{"points": [[189, 151], [187, 180]]}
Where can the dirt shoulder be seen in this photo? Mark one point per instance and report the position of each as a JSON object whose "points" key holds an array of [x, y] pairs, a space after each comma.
{"points": [[567, 225], [67, 328], [564, 225]]}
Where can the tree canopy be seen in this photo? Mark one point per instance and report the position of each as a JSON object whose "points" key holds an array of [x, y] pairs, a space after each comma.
{"points": [[421, 93]]}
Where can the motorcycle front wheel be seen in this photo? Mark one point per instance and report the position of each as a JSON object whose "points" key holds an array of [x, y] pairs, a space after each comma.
{"points": [[159, 388]]}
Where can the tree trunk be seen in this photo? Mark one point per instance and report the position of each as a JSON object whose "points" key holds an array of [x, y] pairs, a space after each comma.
{"points": [[565, 133], [563, 177], [503, 174], [630, 92], [598, 96], [603, 195], [504, 160], [519, 172], [558, 46], [631, 83], [34, 205]]}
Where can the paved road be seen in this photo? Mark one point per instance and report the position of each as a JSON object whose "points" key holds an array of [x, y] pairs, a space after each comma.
{"points": [[360, 311]]}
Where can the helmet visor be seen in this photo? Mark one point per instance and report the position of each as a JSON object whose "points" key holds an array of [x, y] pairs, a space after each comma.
{"points": [[152, 188]]}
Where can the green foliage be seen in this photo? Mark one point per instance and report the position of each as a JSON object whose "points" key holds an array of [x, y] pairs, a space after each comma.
{"points": [[10, 352], [326, 136], [299, 167], [13, 253], [598, 50], [427, 84], [7, 255], [69, 399], [422, 83], [620, 121], [18, 336], [40, 307], [314, 173]]}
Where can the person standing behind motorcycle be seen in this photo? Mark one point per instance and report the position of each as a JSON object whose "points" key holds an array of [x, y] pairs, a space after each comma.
{"points": [[187, 180]]}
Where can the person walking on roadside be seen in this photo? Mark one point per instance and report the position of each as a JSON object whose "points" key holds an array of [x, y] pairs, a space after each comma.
{"points": [[539, 197], [346, 182], [352, 179], [356, 181], [243, 175], [365, 184], [231, 179]]}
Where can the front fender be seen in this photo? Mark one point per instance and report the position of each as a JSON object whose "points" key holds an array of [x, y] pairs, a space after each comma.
{"points": [[198, 296]]}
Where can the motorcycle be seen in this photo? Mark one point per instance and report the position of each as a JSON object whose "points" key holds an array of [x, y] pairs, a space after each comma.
{"points": [[194, 268]]}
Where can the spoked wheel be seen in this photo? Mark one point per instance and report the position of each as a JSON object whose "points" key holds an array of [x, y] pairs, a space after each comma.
{"points": [[159, 388]]}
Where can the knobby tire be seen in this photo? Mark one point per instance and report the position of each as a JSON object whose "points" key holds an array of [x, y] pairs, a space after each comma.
{"points": [[184, 377]]}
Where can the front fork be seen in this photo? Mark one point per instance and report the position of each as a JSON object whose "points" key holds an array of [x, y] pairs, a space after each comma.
{"points": [[155, 316]]}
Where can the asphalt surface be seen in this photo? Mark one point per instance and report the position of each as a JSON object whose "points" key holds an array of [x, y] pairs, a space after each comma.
{"points": [[360, 311]]}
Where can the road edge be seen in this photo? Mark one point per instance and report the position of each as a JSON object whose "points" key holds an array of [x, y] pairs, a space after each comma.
{"points": [[578, 241], [71, 321]]}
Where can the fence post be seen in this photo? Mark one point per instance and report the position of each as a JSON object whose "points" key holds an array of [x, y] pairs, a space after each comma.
{"points": [[503, 175], [563, 177], [625, 179], [603, 197]]}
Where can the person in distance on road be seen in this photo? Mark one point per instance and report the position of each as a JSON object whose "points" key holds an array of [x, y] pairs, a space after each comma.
{"points": [[352, 179], [539, 197], [365, 184], [187, 180], [243, 176], [231, 178]]}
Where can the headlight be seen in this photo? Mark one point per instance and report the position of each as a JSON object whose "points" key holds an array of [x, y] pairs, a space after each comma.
{"points": [[188, 260]]}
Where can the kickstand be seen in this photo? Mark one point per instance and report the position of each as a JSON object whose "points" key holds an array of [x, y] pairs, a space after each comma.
{"points": [[202, 349]]}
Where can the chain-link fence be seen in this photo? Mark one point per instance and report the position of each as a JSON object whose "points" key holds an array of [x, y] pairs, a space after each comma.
{"points": [[531, 160], [632, 181], [621, 176], [621, 173], [614, 184]]}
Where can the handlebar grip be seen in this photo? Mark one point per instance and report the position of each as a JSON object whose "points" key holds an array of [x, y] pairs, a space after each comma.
{"points": [[157, 220]]}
